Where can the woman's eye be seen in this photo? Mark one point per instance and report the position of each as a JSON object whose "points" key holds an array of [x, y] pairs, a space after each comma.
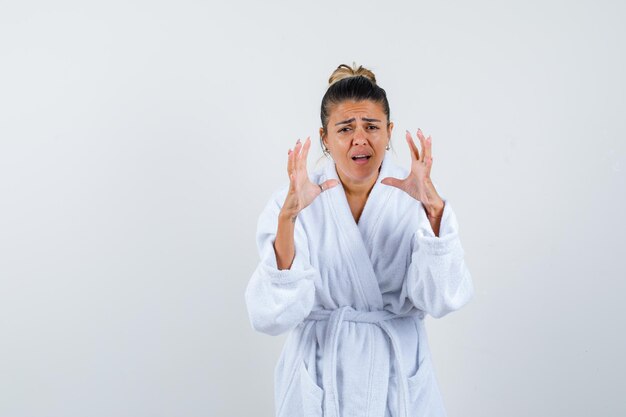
{"points": [[372, 126]]}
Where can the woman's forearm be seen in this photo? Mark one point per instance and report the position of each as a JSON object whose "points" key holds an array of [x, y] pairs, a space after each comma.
{"points": [[434, 215], [435, 223], [284, 244]]}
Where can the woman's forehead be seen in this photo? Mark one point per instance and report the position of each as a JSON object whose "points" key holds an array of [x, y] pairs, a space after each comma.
{"points": [[358, 109]]}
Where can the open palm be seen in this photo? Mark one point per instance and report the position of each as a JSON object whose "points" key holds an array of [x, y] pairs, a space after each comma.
{"points": [[418, 183], [302, 191]]}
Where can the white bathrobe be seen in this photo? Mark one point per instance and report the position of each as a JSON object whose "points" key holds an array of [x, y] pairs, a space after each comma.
{"points": [[355, 299]]}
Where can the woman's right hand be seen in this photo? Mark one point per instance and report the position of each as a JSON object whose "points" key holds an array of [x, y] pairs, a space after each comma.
{"points": [[302, 191]]}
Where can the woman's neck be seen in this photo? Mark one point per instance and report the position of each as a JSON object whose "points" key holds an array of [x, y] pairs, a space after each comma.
{"points": [[359, 189]]}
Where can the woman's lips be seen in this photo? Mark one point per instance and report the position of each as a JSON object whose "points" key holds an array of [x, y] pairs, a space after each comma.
{"points": [[362, 161]]}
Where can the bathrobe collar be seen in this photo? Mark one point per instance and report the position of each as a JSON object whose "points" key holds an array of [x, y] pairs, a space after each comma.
{"points": [[366, 282]]}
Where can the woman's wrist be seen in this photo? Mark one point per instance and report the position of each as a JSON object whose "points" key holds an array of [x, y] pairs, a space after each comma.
{"points": [[435, 211], [284, 242], [287, 216]]}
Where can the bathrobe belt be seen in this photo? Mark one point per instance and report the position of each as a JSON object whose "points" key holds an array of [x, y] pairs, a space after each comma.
{"points": [[377, 317]]}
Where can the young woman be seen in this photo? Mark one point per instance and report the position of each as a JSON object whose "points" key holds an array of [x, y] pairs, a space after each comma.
{"points": [[353, 257]]}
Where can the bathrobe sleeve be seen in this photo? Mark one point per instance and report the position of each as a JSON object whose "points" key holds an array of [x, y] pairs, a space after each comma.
{"points": [[278, 300], [438, 280]]}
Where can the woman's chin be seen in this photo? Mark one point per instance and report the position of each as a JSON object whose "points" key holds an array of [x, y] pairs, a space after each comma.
{"points": [[361, 173]]}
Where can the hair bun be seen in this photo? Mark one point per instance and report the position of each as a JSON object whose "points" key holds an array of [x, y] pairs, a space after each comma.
{"points": [[343, 71]]}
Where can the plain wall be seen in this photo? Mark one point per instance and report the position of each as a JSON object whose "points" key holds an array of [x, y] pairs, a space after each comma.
{"points": [[139, 142]]}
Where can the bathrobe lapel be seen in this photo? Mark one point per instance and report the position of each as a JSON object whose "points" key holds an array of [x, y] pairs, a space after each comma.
{"points": [[354, 236]]}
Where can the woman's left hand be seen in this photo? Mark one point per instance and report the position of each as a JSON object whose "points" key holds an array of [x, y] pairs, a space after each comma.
{"points": [[418, 184]]}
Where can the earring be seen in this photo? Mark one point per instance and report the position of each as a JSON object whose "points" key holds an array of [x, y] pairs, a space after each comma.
{"points": [[324, 148], [387, 146]]}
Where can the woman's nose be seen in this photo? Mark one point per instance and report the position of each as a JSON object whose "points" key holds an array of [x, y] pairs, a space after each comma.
{"points": [[360, 136]]}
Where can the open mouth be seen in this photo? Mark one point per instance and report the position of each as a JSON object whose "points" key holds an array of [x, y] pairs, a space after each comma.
{"points": [[361, 157]]}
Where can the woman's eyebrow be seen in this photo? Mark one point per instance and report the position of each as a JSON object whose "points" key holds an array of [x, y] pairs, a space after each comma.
{"points": [[352, 120]]}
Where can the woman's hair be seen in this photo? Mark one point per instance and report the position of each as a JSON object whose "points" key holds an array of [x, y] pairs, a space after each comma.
{"points": [[354, 84]]}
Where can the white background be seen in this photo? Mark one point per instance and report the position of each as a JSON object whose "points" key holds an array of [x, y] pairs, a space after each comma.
{"points": [[139, 142]]}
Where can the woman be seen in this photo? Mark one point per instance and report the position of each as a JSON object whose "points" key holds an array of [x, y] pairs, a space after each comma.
{"points": [[353, 257]]}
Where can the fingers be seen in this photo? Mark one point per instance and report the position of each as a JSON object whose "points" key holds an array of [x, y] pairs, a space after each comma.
{"points": [[415, 154], [296, 156], [426, 146], [394, 182], [429, 152], [302, 158], [290, 170], [328, 184], [289, 161], [422, 139], [429, 147]]}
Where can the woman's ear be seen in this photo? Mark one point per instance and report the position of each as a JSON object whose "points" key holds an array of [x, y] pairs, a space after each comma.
{"points": [[389, 129], [322, 136]]}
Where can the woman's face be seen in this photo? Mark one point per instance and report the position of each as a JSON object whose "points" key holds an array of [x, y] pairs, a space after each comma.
{"points": [[357, 128]]}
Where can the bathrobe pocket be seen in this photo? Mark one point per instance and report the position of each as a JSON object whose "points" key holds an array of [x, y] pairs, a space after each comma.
{"points": [[303, 397], [312, 394], [420, 386]]}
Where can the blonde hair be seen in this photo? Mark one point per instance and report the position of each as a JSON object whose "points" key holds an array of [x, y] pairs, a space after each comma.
{"points": [[343, 71]]}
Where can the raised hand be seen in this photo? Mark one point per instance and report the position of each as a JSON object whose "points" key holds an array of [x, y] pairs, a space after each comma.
{"points": [[418, 183], [302, 191]]}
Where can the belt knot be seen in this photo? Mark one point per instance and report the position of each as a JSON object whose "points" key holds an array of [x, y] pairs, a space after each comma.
{"points": [[347, 313]]}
